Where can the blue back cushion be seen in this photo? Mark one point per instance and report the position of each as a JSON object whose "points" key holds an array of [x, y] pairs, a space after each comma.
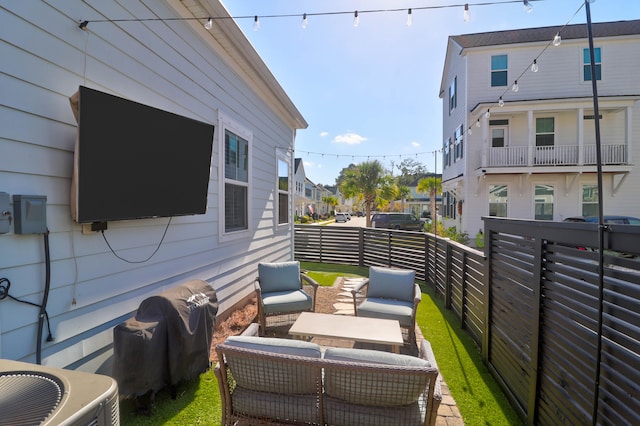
{"points": [[282, 276], [385, 283]]}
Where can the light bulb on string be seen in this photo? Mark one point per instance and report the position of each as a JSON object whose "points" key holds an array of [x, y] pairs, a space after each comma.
{"points": [[469, 131], [466, 16], [501, 102], [208, 24], [478, 123], [487, 114], [256, 23], [356, 19], [515, 86], [409, 18], [534, 66], [305, 21], [527, 6], [557, 40]]}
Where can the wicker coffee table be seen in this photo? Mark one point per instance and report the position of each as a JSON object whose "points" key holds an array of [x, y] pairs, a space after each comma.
{"points": [[358, 329]]}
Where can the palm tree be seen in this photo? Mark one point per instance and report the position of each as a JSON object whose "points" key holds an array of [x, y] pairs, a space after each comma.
{"points": [[330, 200], [403, 194], [369, 181], [433, 187]]}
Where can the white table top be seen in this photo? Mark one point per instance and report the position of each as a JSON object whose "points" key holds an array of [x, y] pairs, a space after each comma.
{"points": [[359, 329]]}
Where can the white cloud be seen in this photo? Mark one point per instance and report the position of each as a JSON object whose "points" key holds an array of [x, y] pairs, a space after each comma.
{"points": [[415, 144], [349, 139], [324, 134]]}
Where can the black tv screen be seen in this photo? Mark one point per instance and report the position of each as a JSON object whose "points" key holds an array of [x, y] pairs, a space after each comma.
{"points": [[135, 161]]}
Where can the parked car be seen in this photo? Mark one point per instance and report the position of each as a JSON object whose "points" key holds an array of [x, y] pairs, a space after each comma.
{"points": [[405, 221], [341, 217], [624, 220]]}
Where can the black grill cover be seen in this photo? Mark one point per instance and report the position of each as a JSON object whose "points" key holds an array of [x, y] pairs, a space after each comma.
{"points": [[168, 340]]}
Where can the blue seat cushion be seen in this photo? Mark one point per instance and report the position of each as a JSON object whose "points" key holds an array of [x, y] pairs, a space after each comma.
{"points": [[388, 283], [286, 301], [391, 309], [282, 276]]}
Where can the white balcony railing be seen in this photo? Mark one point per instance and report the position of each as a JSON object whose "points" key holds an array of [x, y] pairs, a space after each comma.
{"points": [[557, 155]]}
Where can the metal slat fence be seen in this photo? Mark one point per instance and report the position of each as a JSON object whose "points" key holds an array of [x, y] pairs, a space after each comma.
{"points": [[531, 305]]}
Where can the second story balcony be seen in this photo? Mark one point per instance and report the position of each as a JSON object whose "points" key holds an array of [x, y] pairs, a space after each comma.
{"points": [[554, 136], [561, 155]]}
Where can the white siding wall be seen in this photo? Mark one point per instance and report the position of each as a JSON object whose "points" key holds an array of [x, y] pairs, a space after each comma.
{"points": [[163, 64]]}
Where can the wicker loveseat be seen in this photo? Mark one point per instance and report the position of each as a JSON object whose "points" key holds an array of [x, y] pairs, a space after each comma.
{"points": [[281, 381]]}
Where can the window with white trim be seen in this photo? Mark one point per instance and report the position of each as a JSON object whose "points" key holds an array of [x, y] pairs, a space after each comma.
{"points": [[283, 190], [543, 202], [499, 66], [589, 200], [453, 97], [586, 61], [235, 146], [545, 131], [498, 200]]}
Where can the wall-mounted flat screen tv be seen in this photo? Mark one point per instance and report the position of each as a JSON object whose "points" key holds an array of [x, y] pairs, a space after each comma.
{"points": [[134, 161]]}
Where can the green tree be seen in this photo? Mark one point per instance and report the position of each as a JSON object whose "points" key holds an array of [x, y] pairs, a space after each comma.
{"points": [[410, 170], [433, 187], [370, 182]]}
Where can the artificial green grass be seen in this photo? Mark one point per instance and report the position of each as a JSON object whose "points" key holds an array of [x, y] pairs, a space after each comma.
{"points": [[326, 274], [477, 395], [197, 402]]}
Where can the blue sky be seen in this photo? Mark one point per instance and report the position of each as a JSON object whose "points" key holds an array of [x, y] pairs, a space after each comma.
{"points": [[371, 92]]}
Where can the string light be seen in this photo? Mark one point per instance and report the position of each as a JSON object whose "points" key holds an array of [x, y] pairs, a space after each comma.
{"points": [[256, 23], [557, 40], [534, 66], [515, 86], [208, 24], [501, 102], [487, 114], [356, 19], [527, 6], [305, 22], [466, 16], [409, 18], [84, 23]]}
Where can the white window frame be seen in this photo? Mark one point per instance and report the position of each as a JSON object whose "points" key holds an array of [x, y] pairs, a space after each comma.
{"points": [[453, 95], [283, 155], [227, 123], [489, 199], [553, 203], [583, 65], [592, 203]]}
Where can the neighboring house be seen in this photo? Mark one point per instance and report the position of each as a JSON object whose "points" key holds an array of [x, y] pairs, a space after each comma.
{"points": [[535, 156], [301, 201], [159, 55], [420, 202]]}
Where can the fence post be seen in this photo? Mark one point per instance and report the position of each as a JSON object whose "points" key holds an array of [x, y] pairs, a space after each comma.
{"points": [[361, 247], [447, 277], [463, 302]]}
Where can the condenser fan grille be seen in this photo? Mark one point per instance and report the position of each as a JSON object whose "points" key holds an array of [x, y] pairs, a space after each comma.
{"points": [[27, 397]]}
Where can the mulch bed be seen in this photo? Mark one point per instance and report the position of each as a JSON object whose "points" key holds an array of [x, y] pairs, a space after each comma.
{"points": [[240, 319]]}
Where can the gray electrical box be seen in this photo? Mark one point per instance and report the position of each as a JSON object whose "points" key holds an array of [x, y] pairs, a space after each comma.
{"points": [[5, 213], [30, 214]]}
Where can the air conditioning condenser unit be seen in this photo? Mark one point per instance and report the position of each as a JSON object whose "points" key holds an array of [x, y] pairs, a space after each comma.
{"points": [[33, 394]]}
